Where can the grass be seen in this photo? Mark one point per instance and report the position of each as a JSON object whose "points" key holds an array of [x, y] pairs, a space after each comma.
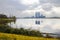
{"points": [[5, 36]]}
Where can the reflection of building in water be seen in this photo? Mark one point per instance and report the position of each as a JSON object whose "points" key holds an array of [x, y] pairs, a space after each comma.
{"points": [[37, 22]]}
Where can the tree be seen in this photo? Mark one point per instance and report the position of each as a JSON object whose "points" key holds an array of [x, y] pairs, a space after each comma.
{"points": [[14, 19], [4, 19], [3, 16], [4, 28]]}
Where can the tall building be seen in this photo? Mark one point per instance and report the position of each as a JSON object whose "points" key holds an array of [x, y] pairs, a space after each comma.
{"points": [[39, 15]]}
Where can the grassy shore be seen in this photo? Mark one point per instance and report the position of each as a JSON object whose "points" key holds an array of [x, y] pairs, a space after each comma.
{"points": [[5, 36]]}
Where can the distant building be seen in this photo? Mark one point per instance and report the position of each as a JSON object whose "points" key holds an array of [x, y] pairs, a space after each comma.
{"points": [[39, 15]]}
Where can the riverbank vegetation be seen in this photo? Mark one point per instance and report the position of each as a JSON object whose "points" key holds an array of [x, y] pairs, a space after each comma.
{"points": [[5, 28], [28, 33]]}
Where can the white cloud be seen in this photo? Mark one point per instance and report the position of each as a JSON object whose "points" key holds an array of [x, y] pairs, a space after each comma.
{"points": [[56, 9], [29, 2]]}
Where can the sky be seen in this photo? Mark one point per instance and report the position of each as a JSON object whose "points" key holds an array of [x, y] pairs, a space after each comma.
{"points": [[22, 8]]}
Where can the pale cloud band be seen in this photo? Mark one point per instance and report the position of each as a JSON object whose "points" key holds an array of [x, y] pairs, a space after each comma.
{"points": [[29, 2]]}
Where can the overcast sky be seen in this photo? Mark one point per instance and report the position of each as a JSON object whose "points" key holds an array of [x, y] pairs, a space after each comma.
{"points": [[21, 8]]}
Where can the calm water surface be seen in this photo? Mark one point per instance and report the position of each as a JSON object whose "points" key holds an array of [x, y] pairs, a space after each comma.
{"points": [[46, 25]]}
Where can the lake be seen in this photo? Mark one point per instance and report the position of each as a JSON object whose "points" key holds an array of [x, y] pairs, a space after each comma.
{"points": [[44, 25]]}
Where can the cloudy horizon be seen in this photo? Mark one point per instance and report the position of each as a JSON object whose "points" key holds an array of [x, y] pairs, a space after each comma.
{"points": [[21, 8]]}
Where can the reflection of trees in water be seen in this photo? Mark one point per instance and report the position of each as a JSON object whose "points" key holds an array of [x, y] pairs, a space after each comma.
{"points": [[4, 19]]}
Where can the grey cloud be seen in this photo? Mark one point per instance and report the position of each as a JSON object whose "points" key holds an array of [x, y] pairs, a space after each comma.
{"points": [[15, 4], [44, 1], [47, 7], [11, 7], [53, 2]]}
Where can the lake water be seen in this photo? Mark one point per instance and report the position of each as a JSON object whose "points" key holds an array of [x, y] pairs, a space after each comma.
{"points": [[45, 25]]}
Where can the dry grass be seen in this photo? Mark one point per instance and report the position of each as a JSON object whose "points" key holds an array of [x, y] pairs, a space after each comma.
{"points": [[5, 36]]}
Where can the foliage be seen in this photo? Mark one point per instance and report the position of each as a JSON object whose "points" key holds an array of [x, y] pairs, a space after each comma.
{"points": [[3, 16], [4, 19], [4, 28], [22, 31]]}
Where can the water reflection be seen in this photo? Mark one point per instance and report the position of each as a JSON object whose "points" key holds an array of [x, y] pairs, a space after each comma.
{"points": [[46, 25]]}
